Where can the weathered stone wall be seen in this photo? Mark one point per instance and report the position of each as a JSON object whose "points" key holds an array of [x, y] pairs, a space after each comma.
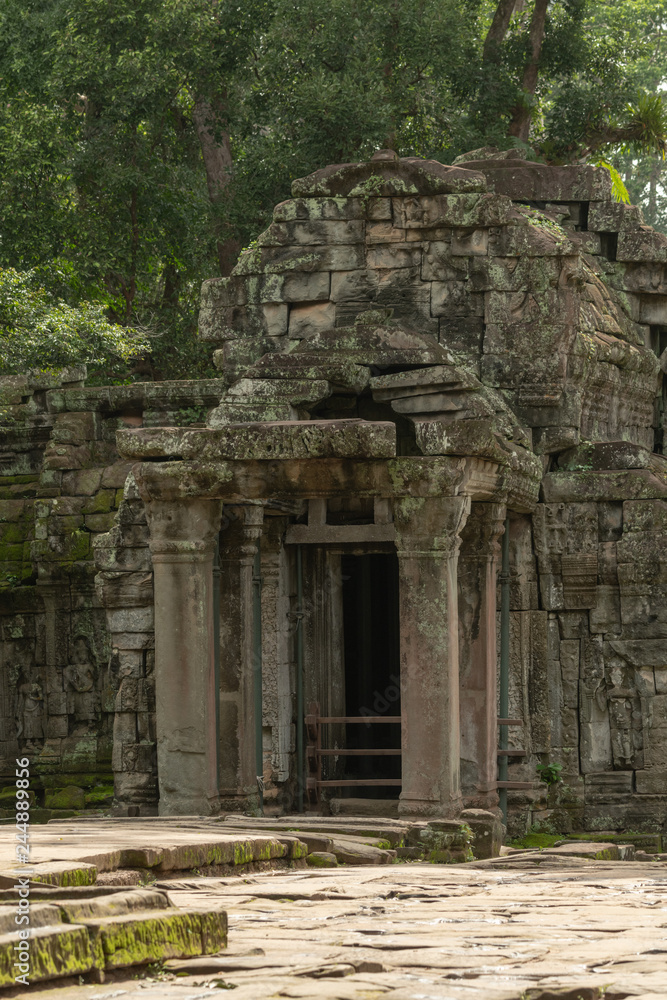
{"points": [[589, 659], [76, 661]]}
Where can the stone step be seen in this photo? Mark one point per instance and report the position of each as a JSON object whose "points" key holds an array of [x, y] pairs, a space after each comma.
{"points": [[112, 931], [139, 938], [63, 873], [231, 849], [55, 950], [77, 910]]}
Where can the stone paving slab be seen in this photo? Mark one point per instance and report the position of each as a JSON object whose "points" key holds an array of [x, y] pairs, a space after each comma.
{"points": [[425, 932], [81, 846], [500, 929], [72, 851]]}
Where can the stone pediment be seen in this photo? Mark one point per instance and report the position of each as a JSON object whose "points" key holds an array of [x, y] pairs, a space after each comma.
{"points": [[381, 369], [385, 175]]}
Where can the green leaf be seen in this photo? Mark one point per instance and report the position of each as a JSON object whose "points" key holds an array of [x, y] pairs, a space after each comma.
{"points": [[618, 189]]}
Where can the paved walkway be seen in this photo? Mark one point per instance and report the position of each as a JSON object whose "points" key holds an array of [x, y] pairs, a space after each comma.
{"points": [[502, 930]]}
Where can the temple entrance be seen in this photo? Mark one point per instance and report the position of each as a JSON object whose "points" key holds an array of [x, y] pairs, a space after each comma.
{"points": [[354, 751], [372, 664]]}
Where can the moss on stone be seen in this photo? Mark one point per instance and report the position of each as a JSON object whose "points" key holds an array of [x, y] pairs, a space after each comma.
{"points": [[67, 953], [100, 795], [134, 941], [100, 503], [243, 852]]}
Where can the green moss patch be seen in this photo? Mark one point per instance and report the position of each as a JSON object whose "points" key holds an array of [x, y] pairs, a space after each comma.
{"points": [[536, 841]]}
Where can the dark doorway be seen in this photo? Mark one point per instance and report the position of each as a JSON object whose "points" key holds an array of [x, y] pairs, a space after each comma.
{"points": [[372, 664]]}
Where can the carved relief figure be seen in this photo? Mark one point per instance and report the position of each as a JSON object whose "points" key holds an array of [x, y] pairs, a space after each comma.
{"points": [[30, 712], [624, 713], [79, 678]]}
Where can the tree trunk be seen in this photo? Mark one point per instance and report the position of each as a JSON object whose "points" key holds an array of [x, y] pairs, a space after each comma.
{"points": [[521, 116], [216, 153], [498, 30]]}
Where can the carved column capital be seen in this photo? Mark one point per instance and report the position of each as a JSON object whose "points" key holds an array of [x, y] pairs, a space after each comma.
{"points": [[253, 521], [429, 525], [483, 531], [183, 530]]}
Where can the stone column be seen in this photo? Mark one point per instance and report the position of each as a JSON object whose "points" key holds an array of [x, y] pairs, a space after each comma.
{"points": [[183, 534], [427, 543], [477, 572], [238, 766], [277, 689]]}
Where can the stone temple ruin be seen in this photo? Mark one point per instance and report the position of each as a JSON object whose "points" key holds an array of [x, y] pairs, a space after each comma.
{"points": [[412, 357]]}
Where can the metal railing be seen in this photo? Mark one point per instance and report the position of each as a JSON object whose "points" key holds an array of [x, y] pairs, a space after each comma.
{"points": [[314, 722]]}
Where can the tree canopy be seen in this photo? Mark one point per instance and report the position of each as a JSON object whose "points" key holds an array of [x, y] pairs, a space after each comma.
{"points": [[143, 142]]}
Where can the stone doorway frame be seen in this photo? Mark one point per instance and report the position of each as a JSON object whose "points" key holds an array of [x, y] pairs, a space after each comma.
{"points": [[430, 497]]}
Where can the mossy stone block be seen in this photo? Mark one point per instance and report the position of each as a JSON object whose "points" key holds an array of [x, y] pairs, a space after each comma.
{"points": [[55, 951], [101, 503], [322, 859], [139, 938], [70, 797]]}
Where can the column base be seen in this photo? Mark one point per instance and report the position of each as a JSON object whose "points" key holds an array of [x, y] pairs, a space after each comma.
{"points": [[240, 803], [195, 805], [430, 807], [482, 798]]}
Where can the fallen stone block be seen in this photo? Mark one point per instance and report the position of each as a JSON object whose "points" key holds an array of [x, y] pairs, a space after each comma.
{"points": [[322, 859], [587, 849], [487, 832], [70, 797], [314, 842], [350, 852]]}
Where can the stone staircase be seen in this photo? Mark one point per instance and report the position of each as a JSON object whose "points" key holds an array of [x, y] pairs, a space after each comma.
{"points": [[89, 931]]}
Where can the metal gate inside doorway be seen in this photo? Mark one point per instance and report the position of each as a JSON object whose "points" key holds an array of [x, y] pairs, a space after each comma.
{"points": [[361, 749]]}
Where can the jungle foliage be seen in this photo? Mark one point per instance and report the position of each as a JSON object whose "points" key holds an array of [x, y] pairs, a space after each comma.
{"points": [[143, 142]]}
